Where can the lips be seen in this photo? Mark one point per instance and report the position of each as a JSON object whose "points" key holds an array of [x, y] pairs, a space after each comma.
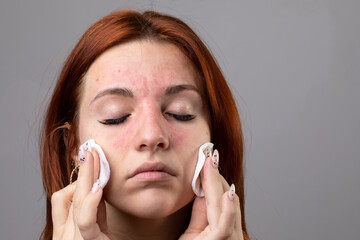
{"points": [[152, 171]]}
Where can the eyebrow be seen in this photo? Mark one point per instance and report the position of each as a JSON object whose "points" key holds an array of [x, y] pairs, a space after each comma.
{"points": [[125, 92], [114, 91], [179, 88]]}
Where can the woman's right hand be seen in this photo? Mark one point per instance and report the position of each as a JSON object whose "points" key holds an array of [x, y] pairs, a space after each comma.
{"points": [[78, 211]]}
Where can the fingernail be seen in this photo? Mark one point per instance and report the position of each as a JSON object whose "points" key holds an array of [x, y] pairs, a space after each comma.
{"points": [[82, 154], [215, 159], [207, 152], [232, 192], [96, 186]]}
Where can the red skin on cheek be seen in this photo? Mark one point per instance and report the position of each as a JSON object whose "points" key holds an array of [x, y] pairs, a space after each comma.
{"points": [[123, 140], [178, 138]]}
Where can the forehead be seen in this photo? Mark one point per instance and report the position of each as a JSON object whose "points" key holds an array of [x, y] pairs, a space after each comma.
{"points": [[141, 66]]}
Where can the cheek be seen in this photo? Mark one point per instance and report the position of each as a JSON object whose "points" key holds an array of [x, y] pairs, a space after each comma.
{"points": [[122, 140], [188, 143], [189, 140], [190, 135], [84, 132], [178, 138], [88, 127]]}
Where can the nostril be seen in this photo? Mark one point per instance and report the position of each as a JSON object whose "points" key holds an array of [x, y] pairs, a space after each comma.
{"points": [[145, 146]]}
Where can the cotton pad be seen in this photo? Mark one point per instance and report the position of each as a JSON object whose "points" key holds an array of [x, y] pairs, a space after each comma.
{"points": [[104, 165], [204, 151]]}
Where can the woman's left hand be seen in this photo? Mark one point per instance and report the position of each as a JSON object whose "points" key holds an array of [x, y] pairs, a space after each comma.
{"points": [[217, 215]]}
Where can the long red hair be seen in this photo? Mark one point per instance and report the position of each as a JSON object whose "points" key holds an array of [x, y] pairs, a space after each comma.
{"points": [[59, 141]]}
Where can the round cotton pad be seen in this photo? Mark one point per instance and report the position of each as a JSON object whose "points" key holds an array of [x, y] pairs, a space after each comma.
{"points": [[104, 165], [204, 151]]}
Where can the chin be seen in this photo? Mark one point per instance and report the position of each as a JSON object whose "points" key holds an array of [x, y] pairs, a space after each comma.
{"points": [[153, 203]]}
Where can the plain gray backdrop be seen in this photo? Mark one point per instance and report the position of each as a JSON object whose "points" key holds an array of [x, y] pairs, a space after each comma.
{"points": [[294, 69]]}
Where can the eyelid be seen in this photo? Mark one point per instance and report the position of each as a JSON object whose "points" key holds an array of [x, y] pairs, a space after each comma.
{"points": [[181, 117], [114, 121]]}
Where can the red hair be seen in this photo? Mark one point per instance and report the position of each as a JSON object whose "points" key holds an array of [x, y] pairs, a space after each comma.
{"points": [[59, 141]]}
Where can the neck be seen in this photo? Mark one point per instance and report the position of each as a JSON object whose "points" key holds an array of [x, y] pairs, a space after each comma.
{"points": [[128, 227]]}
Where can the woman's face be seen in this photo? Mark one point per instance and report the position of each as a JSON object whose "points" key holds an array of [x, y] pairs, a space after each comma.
{"points": [[141, 104]]}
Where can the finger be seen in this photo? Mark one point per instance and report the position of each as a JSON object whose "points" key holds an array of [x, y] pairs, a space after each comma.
{"points": [[60, 204], [68, 230], [84, 183], [96, 164], [238, 223], [225, 185], [198, 220], [101, 216], [87, 221], [213, 189], [226, 225]]}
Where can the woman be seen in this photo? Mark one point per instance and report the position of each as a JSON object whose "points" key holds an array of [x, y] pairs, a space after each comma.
{"points": [[146, 88]]}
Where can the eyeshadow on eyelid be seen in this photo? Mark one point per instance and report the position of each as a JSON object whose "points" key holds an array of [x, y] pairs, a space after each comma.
{"points": [[183, 108], [109, 109]]}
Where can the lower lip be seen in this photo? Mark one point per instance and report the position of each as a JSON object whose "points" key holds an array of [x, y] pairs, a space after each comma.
{"points": [[152, 176]]}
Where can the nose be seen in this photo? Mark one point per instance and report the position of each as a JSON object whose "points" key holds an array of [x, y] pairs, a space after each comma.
{"points": [[151, 133]]}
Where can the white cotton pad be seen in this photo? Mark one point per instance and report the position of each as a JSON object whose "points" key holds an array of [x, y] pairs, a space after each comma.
{"points": [[104, 165], [204, 151]]}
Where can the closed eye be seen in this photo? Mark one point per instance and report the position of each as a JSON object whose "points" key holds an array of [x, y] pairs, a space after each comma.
{"points": [[181, 117], [114, 121]]}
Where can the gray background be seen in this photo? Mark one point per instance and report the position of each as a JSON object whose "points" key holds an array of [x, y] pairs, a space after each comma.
{"points": [[294, 67]]}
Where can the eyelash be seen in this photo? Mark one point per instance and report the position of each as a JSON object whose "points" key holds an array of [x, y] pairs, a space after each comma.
{"points": [[114, 121], [183, 118]]}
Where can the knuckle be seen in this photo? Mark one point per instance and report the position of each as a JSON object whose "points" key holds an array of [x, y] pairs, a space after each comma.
{"points": [[57, 197], [77, 201], [223, 234], [226, 233], [84, 224], [76, 204]]}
